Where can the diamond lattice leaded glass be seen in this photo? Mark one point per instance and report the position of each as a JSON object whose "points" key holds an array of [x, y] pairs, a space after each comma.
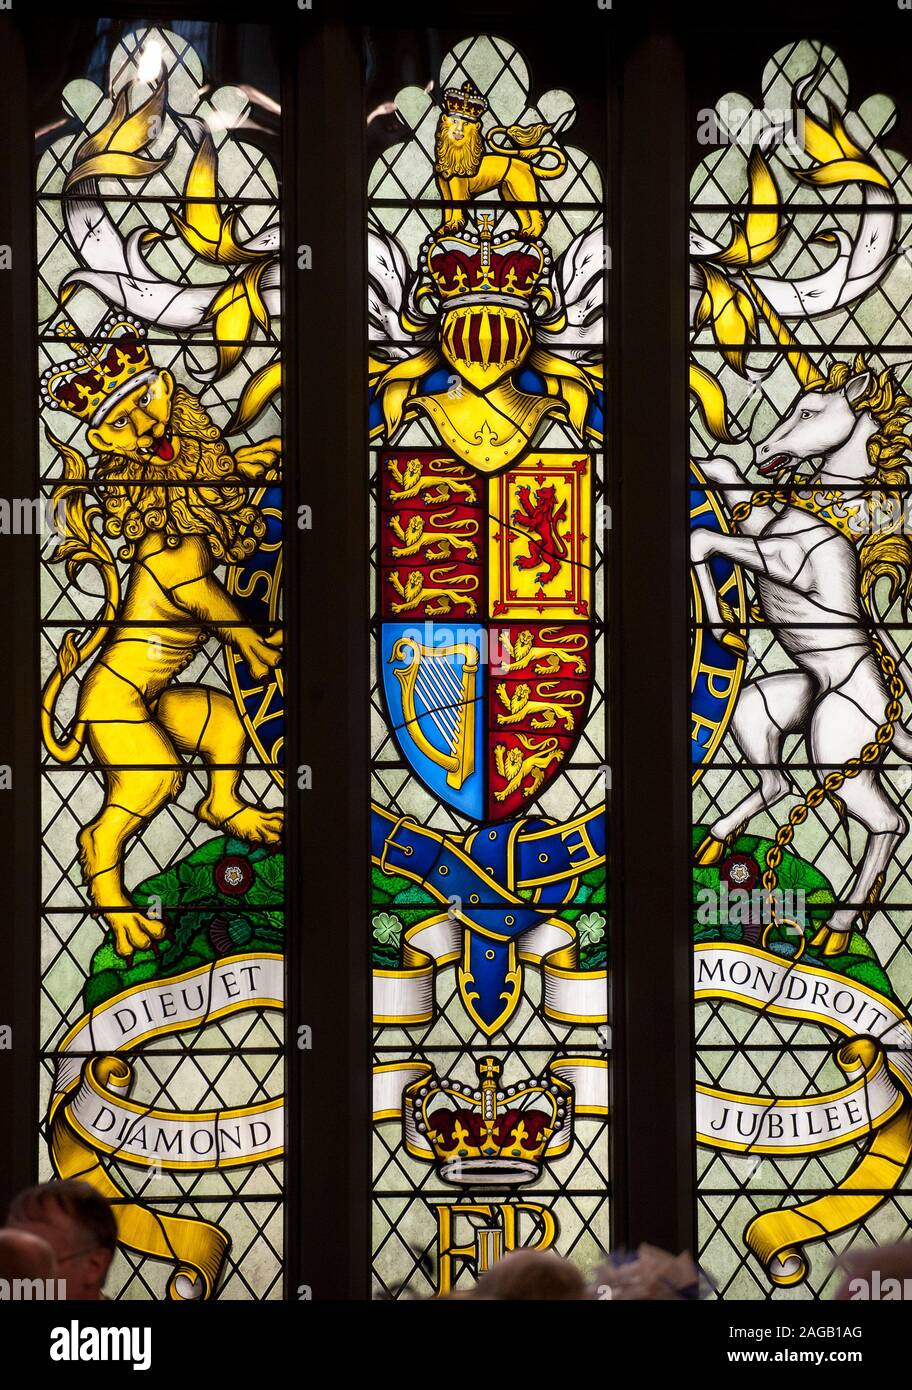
{"points": [[486, 480], [800, 680], [159, 302]]}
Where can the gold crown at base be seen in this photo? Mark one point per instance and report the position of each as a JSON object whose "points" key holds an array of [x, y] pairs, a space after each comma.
{"points": [[491, 1135]]}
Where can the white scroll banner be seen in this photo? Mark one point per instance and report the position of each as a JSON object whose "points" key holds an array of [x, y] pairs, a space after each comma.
{"points": [[102, 1115], [406, 996], [793, 989], [93, 1080], [782, 1125], [757, 980]]}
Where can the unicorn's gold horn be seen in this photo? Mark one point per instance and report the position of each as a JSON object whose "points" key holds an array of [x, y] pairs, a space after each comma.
{"points": [[805, 370]]}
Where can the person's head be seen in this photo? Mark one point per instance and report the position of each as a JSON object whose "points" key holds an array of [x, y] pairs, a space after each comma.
{"points": [[25, 1256], [534, 1275], [879, 1272], [78, 1224]]}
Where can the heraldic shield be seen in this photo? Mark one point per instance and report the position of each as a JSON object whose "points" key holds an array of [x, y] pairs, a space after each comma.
{"points": [[486, 641], [256, 586]]}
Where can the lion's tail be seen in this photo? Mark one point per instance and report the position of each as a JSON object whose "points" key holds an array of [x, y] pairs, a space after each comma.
{"points": [[549, 171], [530, 141], [81, 545]]}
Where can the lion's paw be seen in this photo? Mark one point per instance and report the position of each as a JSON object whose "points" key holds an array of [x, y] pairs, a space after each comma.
{"points": [[264, 827], [133, 931], [247, 823]]}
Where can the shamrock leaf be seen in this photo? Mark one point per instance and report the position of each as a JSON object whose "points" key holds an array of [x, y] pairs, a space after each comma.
{"points": [[591, 928], [387, 929]]}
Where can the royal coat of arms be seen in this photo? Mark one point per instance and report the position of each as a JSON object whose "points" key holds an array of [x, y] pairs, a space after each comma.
{"points": [[486, 324], [486, 546]]}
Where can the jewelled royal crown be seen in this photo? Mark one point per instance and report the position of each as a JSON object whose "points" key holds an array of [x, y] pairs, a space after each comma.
{"points": [[465, 101], [98, 373], [492, 1135], [480, 267]]}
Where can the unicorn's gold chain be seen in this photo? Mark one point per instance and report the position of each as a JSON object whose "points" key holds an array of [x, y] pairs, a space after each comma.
{"points": [[760, 499], [872, 752]]}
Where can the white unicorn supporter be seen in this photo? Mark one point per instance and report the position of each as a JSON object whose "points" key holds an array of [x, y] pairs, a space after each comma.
{"points": [[815, 560]]}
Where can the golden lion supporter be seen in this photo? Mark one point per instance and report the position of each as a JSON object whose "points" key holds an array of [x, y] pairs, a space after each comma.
{"points": [[178, 500]]}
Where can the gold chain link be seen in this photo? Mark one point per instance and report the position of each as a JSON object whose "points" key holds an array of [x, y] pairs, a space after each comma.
{"points": [[872, 752]]}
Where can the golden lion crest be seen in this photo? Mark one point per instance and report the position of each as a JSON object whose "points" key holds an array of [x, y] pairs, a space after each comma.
{"points": [[468, 163]]}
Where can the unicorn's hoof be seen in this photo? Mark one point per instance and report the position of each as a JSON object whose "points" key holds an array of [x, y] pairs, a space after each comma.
{"points": [[735, 643], [709, 851], [831, 943]]}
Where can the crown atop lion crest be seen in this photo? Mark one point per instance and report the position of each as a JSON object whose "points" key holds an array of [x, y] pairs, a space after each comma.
{"points": [[492, 1134], [471, 266], [100, 370], [465, 101]]}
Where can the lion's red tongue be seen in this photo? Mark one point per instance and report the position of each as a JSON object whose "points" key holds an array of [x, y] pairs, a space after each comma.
{"points": [[164, 450]]}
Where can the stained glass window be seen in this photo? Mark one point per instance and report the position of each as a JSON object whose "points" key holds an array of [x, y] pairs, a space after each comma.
{"points": [[486, 485], [159, 301], [800, 550]]}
